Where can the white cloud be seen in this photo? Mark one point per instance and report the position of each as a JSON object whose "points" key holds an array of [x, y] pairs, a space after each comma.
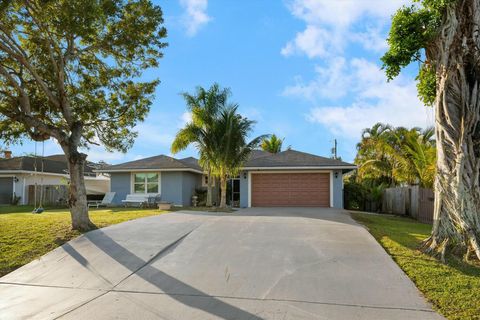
{"points": [[195, 15], [329, 25], [375, 100], [372, 39], [313, 41], [331, 82]]}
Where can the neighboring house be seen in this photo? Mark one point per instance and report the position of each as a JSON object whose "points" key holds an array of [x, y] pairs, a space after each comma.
{"points": [[289, 178], [17, 174]]}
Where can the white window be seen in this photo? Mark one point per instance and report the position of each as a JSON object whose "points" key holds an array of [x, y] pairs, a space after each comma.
{"points": [[146, 182]]}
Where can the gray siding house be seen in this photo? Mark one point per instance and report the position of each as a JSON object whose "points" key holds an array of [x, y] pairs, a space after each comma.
{"points": [[289, 179]]}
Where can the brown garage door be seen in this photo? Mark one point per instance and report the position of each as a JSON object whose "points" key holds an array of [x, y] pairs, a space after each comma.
{"points": [[290, 189]]}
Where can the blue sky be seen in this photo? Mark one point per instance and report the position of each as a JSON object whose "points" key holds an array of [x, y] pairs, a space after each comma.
{"points": [[306, 70]]}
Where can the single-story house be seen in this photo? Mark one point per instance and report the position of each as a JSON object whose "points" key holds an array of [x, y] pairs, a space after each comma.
{"points": [[289, 178], [19, 174]]}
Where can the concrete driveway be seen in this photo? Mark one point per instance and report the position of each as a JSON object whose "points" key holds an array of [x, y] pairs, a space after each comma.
{"points": [[288, 263]]}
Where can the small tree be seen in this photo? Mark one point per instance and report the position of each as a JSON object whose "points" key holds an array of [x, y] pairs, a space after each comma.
{"points": [[205, 107], [68, 70], [232, 149], [443, 36], [272, 144]]}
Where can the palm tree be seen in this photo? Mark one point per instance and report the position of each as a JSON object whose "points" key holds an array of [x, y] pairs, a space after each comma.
{"points": [[205, 106], [374, 154], [232, 148], [397, 155], [272, 144]]}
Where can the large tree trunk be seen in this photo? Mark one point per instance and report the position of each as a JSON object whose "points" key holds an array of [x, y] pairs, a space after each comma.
{"points": [[77, 198], [457, 192], [223, 191], [209, 188]]}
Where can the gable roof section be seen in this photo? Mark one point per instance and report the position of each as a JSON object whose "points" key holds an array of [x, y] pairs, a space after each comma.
{"points": [[160, 162], [51, 164], [295, 159]]}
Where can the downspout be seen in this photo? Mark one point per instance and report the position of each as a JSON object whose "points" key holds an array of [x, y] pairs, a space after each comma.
{"points": [[23, 191]]}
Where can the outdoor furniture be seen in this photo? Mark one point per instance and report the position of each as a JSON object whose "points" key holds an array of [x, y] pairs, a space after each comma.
{"points": [[140, 199], [153, 200], [106, 201]]}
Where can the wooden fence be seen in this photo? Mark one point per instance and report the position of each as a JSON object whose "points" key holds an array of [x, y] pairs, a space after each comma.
{"points": [[413, 201], [51, 195]]}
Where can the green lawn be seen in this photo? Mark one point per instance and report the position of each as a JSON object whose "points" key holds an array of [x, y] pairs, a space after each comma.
{"points": [[453, 288], [25, 236]]}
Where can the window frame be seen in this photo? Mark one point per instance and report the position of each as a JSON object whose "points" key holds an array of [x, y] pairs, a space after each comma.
{"points": [[145, 183]]}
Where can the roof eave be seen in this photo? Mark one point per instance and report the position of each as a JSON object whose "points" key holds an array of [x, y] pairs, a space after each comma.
{"points": [[147, 170], [302, 168]]}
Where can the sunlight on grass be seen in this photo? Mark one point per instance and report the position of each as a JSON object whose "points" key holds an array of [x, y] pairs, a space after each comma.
{"points": [[453, 288], [25, 236]]}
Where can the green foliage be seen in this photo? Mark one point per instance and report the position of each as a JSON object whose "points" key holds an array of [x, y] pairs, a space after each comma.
{"points": [[412, 28], [413, 31], [69, 69], [363, 194], [452, 287], [272, 144], [395, 156], [205, 106], [232, 148], [427, 84]]}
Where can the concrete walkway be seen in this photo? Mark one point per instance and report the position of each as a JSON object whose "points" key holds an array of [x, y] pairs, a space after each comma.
{"points": [[253, 264]]}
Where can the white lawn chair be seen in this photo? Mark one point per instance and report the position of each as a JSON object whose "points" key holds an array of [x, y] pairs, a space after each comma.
{"points": [[106, 201]]}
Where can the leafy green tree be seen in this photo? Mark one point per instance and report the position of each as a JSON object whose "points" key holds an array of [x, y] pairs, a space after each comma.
{"points": [[232, 148], [69, 70], [394, 156], [272, 144], [443, 36], [205, 106]]}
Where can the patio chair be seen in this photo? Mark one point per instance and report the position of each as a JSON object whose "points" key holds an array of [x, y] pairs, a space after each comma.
{"points": [[106, 201], [153, 201]]}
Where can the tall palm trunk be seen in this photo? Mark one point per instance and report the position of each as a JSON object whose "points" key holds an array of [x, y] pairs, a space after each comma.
{"points": [[223, 192], [457, 191], [209, 188]]}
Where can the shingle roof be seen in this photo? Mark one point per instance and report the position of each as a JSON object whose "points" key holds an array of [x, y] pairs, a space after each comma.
{"points": [[157, 162], [51, 164], [258, 159], [293, 158]]}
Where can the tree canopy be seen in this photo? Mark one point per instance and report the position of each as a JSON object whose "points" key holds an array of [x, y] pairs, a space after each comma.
{"points": [[70, 68], [272, 144], [413, 32], [396, 156]]}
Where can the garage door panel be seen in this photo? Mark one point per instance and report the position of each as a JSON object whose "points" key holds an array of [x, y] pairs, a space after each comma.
{"points": [[291, 189]]}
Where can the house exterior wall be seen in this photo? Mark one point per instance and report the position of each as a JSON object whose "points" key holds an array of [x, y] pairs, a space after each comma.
{"points": [[120, 183], [336, 185], [172, 185], [244, 189], [191, 181], [337, 189], [176, 187]]}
